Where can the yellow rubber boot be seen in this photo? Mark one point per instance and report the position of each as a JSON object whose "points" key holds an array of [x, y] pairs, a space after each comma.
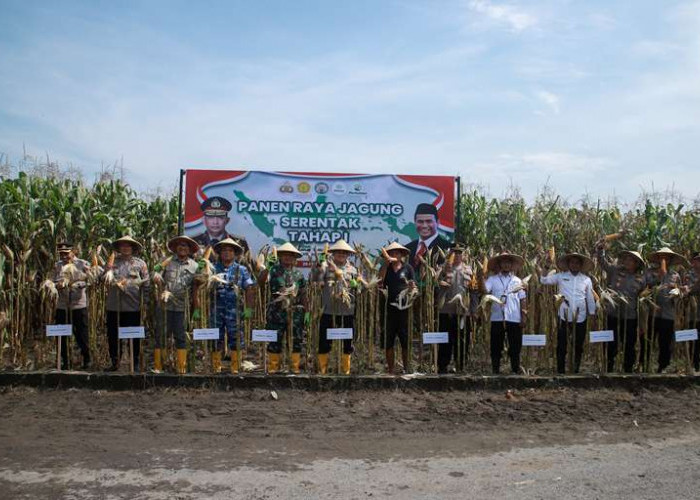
{"points": [[157, 360], [323, 364], [235, 361], [216, 361], [273, 362], [182, 361], [345, 364], [296, 361]]}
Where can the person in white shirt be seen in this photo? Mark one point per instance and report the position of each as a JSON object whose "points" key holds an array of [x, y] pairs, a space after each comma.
{"points": [[508, 318], [576, 290]]}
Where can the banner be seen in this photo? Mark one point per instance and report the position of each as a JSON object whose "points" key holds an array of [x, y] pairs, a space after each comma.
{"points": [[311, 209]]}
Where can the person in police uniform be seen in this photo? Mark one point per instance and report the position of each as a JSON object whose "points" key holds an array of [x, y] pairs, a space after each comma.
{"points": [[216, 219]]}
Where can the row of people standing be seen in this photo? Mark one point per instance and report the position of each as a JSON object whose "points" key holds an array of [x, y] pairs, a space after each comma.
{"points": [[176, 281]]}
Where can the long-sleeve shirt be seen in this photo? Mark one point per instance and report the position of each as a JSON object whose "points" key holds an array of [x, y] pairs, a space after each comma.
{"points": [[663, 298], [578, 294], [135, 272], [627, 285], [692, 281], [72, 296], [458, 281], [333, 287], [178, 276], [509, 289]]}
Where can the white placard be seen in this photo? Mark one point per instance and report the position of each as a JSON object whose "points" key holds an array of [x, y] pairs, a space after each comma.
{"points": [[436, 338], [59, 330], [205, 334], [602, 336], [264, 335], [686, 335], [538, 340], [132, 332], [339, 333]]}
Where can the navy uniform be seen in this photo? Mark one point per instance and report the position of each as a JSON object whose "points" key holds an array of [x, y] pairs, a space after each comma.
{"points": [[216, 206]]}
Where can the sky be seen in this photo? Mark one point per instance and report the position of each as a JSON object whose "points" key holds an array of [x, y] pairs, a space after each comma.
{"points": [[586, 97]]}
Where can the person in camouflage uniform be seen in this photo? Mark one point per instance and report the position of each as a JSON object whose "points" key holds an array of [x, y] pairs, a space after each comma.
{"points": [[287, 293], [232, 278], [176, 276], [667, 285]]}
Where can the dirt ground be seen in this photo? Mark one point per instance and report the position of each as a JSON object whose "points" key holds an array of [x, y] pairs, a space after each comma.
{"points": [[407, 444]]}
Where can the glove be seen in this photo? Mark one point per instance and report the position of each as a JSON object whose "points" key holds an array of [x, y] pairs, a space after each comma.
{"points": [[271, 261], [158, 268], [322, 257], [307, 318], [201, 264], [247, 313], [353, 283], [196, 314]]}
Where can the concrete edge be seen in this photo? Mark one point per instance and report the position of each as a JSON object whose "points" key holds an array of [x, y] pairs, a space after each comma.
{"points": [[137, 382]]}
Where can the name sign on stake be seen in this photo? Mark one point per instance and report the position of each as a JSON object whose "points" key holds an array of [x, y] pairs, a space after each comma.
{"points": [[538, 340], [205, 333], [59, 330], [602, 336], [339, 333], [264, 335], [132, 332], [686, 335], [435, 338]]}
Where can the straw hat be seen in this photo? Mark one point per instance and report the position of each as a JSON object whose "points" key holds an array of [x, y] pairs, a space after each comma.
{"points": [[172, 244], [674, 258], [228, 242], [127, 239], [495, 261], [635, 255], [341, 246], [396, 246], [289, 248], [563, 262]]}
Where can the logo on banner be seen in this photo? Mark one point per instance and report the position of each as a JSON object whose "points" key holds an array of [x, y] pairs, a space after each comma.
{"points": [[357, 188], [286, 188], [321, 188], [304, 187], [339, 188]]}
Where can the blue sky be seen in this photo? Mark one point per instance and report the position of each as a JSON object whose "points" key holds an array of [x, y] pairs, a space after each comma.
{"points": [[597, 97]]}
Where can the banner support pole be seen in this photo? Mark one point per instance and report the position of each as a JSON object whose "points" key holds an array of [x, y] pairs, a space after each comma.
{"points": [[180, 224], [459, 208]]}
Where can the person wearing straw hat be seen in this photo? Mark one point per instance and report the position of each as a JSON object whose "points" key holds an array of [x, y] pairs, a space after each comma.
{"points": [[232, 278], [508, 315], [456, 309], [287, 294], [396, 277], [692, 288], [128, 283], [216, 218], [577, 299], [176, 275], [666, 284], [70, 275], [339, 280], [625, 280]]}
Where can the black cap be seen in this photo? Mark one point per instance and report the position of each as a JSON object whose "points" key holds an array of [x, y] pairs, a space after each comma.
{"points": [[457, 247], [426, 209], [64, 246], [216, 205], [696, 255]]}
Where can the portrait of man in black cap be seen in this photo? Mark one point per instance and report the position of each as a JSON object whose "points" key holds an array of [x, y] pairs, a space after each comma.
{"points": [[216, 219], [426, 221]]}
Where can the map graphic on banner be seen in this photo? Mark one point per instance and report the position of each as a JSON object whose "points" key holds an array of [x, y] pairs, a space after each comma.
{"points": [[312, 209]]}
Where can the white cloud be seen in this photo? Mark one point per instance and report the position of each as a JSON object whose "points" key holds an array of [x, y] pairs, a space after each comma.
{"points": [[550, 99], [517, 20]]}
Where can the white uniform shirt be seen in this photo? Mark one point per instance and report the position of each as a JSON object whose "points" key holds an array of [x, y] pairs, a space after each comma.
{"points": [[578, 292], [508, 288]]}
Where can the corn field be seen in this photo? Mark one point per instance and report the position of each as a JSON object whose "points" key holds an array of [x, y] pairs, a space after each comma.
{"points": [[37, 212]]}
